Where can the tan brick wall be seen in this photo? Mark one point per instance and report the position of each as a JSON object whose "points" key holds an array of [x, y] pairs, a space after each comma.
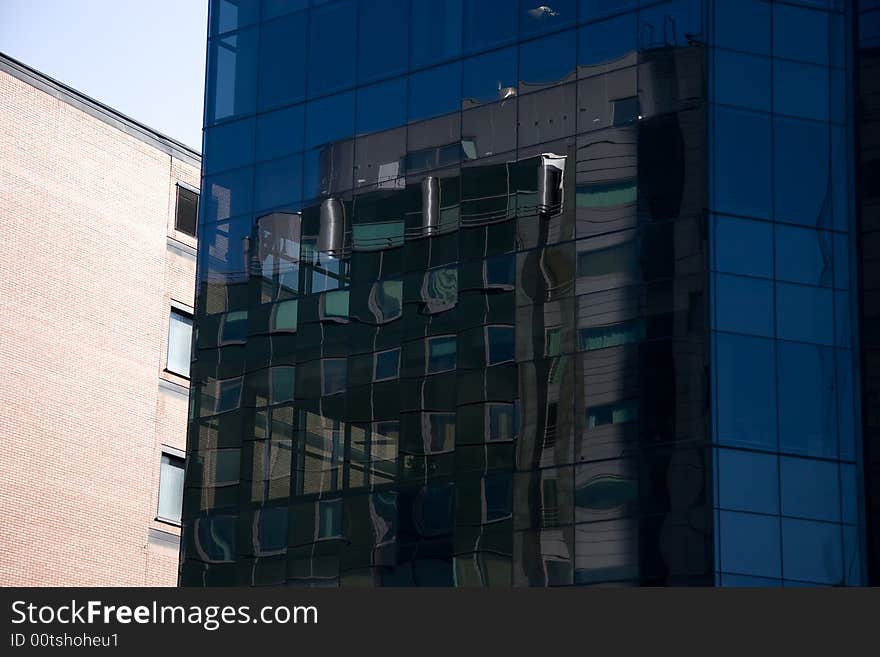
{"points": [[86, 280]]}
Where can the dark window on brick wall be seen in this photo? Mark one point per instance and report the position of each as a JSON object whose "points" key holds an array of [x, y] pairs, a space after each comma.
{"points": [[187, 211]]}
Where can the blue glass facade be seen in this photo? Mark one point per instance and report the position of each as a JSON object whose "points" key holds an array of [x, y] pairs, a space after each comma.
{"points": [[505, 293], [788, 451]]}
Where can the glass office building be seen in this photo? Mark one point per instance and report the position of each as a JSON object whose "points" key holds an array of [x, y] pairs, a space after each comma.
{"points": [[502, 293]]}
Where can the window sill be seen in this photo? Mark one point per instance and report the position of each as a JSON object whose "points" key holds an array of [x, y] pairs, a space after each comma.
{"points": [[182, 244], [167, 521], [174, 374]]}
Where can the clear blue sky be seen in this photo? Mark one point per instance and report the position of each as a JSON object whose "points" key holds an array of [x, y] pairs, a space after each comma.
{"points": [[144, 58]]}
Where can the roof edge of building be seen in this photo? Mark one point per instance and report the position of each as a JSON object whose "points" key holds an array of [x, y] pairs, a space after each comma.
{"points": [[98, 110]]}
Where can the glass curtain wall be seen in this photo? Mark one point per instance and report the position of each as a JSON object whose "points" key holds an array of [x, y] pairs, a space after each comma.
{"points": [[788, 449], [452, 320]]}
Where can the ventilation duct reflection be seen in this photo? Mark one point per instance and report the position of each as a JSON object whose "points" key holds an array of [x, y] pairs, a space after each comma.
{"points": [[430, 205], [551, 175], [331, 233]]}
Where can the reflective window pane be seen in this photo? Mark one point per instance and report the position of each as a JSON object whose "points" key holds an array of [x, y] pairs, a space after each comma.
{"points": [[232, 62], [800, 90], [227, 194], [281, 384], [499, 344], [748, 481], [743, 305], [803, 255], [271, 532], [387, 365], [536, 18], [606, 41], [750, 544], [439, 290], [606, 100], [282, 72], [804, 313], [435, 91], [332, 55], [490, 77], [228, 15], [743, 246], [285, 316], [547, 61], [613, 335], [328, 169], [489, 24], [743, 25], [275, 8], [497, 494], [742, 80], [435, 28], [606, 489], [590, 10], [383, 39], [503, 422], [381, 106], [547, 115], [334, 373], [277, 183], [606, 551], [743, 175], [745, 377], [674, 23], [800, 33], [812, 551], [801, 173], [231, 145], [233, 328], [215, 537], [810, 488], [279, 133], [329, 119], [807, 404], [490, 129], [619, 412], [222, 252], [442, 352], [335, 304], [329, 518]]}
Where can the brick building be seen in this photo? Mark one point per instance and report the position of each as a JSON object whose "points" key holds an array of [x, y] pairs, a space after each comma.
{"points": [[97, 269]]}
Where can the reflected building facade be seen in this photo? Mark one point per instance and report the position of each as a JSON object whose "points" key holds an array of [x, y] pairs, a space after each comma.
{"points": [[502, 293]]}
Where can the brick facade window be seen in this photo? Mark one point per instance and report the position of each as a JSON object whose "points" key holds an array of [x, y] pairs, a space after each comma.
{"points": [[179, 342], [170, 488], [187, 211]]}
